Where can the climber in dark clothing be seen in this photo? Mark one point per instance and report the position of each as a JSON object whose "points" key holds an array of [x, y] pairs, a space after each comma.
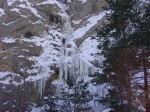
{"points": [[63, 41]]}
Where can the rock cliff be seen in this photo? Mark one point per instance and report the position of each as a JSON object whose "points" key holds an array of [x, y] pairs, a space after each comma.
{"points": [[30, 38], [27, 18]]}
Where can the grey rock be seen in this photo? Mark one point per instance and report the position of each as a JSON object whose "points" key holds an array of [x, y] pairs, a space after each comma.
{"points": [[14, 56], [14, 23], [78, 11]]}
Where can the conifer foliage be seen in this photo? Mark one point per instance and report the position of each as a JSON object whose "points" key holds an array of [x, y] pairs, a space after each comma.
{"points": [[73, 98], [126, 47]]}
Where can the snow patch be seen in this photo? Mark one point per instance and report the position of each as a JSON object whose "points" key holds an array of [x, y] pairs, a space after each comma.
{"points": [[10, 2], [16, 10], [76, 22], [88, 49], [25, 4], [8, 40], [34, 108], [2, 12], [8, 78], [146, 1], [6, 24], [83, 1], [49, 57], [50, 2], [91, 22], [29, 5], [107, 110]]}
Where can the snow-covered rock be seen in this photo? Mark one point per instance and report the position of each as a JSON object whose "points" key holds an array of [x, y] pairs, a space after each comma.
{"points": [[19, 17], [30, 41]]}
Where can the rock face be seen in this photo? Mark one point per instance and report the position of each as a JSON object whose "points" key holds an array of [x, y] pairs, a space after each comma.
{"points": [[23, 16], [32, 17], [14, 57], [22, 20], [79, 10], [35, 16]]}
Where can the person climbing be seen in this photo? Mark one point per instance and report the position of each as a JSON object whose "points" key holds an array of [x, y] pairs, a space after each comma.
{"points": [[63, 41]]}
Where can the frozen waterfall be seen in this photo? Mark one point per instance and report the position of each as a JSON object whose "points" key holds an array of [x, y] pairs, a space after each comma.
{"points": [[39, 83], [74, 66], [71, 63]]}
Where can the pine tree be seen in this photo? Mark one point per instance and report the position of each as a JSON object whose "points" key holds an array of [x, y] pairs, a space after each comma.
{"points": [[118, 54], [140, 39], [74, 98], [80, 95]]}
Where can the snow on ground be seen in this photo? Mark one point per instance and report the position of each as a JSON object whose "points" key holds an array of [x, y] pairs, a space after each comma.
{"points": [[49, 57], [2, 12], [29, 5], [16, 10], [34, 108], [10, 2], [138, 78], [107, 110], [137, 83], [25, 4], [89, 51], [50, 2], [49, 42], [146, 1], [141, 108], [76, 22], [97, 91], [9, 78], [8, 40], [90, 23], [6, 24], [83, 1]]}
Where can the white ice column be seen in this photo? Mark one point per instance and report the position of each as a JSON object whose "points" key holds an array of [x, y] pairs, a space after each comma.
{"points": [[40, 85], [61, 71], [66, 71]]}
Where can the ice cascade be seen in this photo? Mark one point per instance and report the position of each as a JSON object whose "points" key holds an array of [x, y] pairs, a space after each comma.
{"points": [[39, 83], [71, 63]]}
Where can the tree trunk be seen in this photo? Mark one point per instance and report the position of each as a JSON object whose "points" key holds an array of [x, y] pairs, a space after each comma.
{"points": [[146, 90], [129, 93], [128, 81]]}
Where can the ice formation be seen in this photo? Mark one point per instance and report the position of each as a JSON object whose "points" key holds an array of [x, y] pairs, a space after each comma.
{"points": [[40, 85], [74, 66], [71, 63]]}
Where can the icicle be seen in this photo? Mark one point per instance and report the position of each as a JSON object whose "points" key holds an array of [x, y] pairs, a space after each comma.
{"points": [[77, 66], [67, 26], [66, 71], [62, 51], [87, 70], [61, 72], [40, 85], [66, 54]]}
